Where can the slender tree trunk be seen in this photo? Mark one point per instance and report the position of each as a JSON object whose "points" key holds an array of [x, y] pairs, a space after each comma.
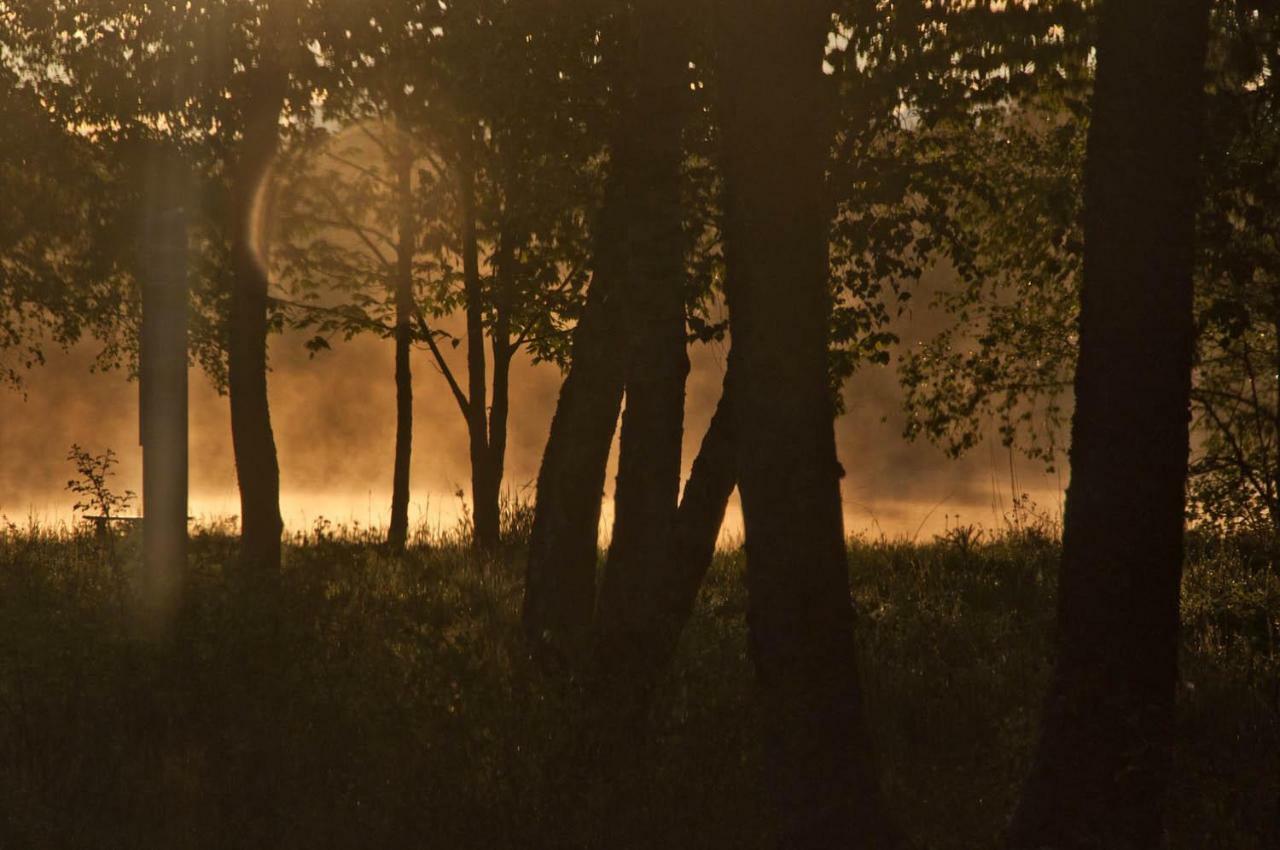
{"points": [[1103, 762], [648, 156], [398, 533], [498, 416], [257, 467], [560, 589], [485, 490], [1273, 498], [503, 351], [800, 617], [484, 484]]}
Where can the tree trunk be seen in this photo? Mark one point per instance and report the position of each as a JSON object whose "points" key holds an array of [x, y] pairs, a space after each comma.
{"points": [[560, 588], [398, 533], [800, 617], [257, 468], [706, 496], [485, 491], [162, 380], [648, 157], [484, 486], [668, 595], [503, 351], [1273, 498], [498, 416], [1103, 761]]}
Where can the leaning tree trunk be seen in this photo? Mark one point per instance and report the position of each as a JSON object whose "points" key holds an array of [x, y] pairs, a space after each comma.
{"points": [[560, 589], [800, 617], [257, 468], [697, 527], [671, 585], [398, 533], [648, 159], [1103, 761]]}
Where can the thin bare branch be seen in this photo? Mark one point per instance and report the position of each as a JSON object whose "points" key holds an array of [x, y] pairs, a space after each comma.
{"points": [[366, 171], [464, 404], [352, 225]]}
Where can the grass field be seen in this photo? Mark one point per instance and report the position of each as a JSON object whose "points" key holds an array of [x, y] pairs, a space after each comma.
{"points": [[379, 702]]}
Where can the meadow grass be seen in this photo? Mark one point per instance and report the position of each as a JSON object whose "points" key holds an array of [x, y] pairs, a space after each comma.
{"points": [[376, 701]]}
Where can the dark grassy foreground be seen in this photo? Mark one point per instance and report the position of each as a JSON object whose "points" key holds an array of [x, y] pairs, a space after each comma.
{"points": [[389, 703]]}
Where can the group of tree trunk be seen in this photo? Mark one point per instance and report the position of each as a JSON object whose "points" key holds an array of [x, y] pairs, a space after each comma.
{"points": [[1102, 766], [1103, 760]]}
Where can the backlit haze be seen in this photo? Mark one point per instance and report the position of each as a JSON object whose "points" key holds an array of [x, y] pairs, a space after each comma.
{"points": [[334, 420]]}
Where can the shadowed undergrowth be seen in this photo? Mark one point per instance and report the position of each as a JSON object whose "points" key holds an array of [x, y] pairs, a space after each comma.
{"points": [[369, 700]]}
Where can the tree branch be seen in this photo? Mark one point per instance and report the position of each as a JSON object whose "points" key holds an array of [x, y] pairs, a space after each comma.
{"points": [[354, 318], [382, 145], [336, 203], [464, 404], [367, 172]]}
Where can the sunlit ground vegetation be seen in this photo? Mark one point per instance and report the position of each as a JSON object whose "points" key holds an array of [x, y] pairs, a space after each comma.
{"points": [[369, 700]]}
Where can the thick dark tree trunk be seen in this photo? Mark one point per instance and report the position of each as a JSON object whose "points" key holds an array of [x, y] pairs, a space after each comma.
{"points": [[800, 617], [398, 533], [1103, 762], [257, 468], [560, 588], [648, 157]]}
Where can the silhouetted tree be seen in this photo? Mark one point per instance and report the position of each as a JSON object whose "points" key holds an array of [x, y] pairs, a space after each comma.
{"points": [[648, 155], [1104, 756], [631, 335], [638, 628], [524, 152], [67, 240], [1006, 363], [775, 119], [117, 83], [257, 466], [370, 186], [370, 179], [405, 306], [1235, 468], [448, 190], [560, 583]]}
